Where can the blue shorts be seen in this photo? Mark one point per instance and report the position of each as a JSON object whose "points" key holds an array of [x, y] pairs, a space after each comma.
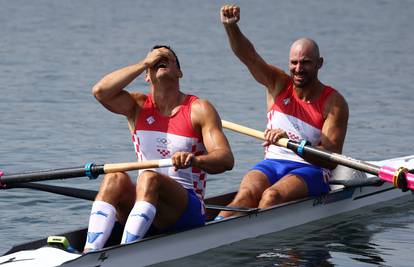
{"points": [[275, 169], [192, 216]]}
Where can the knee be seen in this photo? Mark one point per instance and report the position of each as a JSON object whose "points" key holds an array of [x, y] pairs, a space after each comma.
{"points": [[149, 179], [115, 184], [271, 196], [247, 196], [253, 185]]}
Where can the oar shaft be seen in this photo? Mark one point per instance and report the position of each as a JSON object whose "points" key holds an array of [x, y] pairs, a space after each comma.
{"points": [[87, 194], [90, 170], [387, 174], [323, 154], [337, 158], [60, 190], [46, 175]]}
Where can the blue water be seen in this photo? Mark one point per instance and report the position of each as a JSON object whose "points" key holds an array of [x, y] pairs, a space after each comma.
{"points": [[52, 52]]}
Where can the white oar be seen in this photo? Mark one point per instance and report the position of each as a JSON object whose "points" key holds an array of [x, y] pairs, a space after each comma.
{"points": [[401, 177], [90, 169]]}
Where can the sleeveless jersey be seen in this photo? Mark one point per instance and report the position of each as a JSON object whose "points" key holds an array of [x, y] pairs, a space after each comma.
{"points": [[158, 137], [300, 120]]}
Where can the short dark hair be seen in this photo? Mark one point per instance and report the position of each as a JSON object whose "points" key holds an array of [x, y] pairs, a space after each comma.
{"points": [[172, 51]]}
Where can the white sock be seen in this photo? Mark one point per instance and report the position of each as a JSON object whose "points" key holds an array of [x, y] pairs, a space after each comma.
{"points": [[139, 221], [101, 222]]}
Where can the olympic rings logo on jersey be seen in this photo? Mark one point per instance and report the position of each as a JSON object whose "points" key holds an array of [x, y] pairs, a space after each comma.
{"points": [[163, 141]]}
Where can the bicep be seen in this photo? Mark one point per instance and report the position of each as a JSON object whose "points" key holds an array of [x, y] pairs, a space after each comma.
{"points": [[214, 138], [211, 130], [335, 125], [123, 103]]}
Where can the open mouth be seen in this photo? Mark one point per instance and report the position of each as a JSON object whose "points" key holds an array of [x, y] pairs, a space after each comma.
{"points": [[299, 76], [161, 65]]}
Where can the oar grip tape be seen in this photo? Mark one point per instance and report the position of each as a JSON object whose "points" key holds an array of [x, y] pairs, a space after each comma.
{"points": [[302, 144], [89, 172]]}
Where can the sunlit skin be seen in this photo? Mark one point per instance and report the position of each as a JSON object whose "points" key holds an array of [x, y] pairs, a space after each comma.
{"points": [[162, 68], [304, 64], [163, 74], [170, 198]]}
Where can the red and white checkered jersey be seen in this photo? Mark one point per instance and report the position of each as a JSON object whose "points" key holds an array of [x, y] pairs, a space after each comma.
{"points": [[300, 119], [158, 137]]}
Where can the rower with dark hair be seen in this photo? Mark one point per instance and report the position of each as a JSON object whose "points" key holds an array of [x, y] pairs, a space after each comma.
{"points": [[166, 123]]}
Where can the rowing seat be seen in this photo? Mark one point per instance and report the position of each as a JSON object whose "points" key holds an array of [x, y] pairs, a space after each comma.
{"points": [[346, 177]]}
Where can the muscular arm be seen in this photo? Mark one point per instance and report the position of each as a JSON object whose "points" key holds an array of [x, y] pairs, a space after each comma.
{"points": [[219, 157], [110, 89], [333, 130], [273, 78]]}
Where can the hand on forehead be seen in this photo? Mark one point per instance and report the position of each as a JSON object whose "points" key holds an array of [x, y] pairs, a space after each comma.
{"points": [[163, 51]]}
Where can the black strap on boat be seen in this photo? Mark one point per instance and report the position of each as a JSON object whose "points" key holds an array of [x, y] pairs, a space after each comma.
{"points": [[237, 209], [374, 181]]}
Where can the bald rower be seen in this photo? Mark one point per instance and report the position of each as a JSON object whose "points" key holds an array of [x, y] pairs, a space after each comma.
{"points": [[299, 107]]}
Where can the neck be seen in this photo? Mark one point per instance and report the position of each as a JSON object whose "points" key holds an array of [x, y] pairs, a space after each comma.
{"points": [[309, 92], [167, 99]]}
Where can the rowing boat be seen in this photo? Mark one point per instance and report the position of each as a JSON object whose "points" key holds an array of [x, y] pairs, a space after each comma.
{"points": [[350, 190]]}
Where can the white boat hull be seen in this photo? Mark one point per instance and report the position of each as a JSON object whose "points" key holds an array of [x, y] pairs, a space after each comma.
{"points": [[231, 230], [173, 246]]}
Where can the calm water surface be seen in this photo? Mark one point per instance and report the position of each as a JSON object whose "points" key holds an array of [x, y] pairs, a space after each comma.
{"points": [[52, 52]]}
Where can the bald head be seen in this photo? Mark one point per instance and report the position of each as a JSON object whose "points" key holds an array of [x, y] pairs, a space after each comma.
{"points": [[307, 46], [304, 62]]}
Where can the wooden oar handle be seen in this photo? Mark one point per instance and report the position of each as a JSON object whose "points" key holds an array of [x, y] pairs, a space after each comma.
{"points": [[387, 174], [251, 132], [131, 166]]}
